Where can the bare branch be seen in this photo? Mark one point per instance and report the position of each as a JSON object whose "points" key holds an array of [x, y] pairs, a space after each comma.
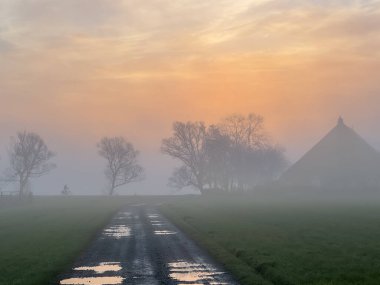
{"points": [[29, 157], [122, 165], [187, 145]]}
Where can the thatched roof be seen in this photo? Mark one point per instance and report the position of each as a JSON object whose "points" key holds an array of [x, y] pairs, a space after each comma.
{"points": [[341, 160]]}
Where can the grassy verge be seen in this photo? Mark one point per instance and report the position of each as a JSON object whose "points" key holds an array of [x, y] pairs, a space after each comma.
{"points": [[242, 271], [285, 243], [39, 240]]}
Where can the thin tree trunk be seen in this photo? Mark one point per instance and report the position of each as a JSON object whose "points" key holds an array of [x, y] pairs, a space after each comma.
{"points": [[22, 187], [112, 187]]}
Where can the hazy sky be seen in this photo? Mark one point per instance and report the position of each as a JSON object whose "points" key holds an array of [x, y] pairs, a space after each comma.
{"points": [[76, 70]]}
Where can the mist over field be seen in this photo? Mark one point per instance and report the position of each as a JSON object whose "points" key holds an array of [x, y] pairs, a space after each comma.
{"points": [[132, 68], [153, 142]]}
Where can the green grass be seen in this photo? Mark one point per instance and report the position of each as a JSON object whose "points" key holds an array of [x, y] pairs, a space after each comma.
{"points": [[261, 243], [40, 240], [286, 243]]}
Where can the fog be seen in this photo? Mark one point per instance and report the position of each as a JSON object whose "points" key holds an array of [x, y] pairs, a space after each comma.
{"points": [[131, 69], [82, 169], [232, 142]]}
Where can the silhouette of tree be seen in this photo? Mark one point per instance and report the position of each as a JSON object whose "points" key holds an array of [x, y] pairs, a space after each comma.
{"points": [[122, 165], [29, 158], [235, 155], [187, 145], [247, 131], [182, 177]]}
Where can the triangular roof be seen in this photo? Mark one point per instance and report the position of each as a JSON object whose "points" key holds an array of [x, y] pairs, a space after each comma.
{"points": [[341, 159]]}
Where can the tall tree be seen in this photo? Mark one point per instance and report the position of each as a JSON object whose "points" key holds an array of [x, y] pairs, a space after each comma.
{"points": [[29, 157], [122, 165], [219, 168], [258, 166], [234, 156], [247, 131], [182, 177], [187, 145]]}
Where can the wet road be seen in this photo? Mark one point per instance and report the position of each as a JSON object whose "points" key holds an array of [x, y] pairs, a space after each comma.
{"points": [[140, 246]]}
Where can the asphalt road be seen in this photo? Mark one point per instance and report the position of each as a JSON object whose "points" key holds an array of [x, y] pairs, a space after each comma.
{"points": [[140, 246]]}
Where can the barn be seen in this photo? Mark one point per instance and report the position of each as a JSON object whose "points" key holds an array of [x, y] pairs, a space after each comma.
{"points": [[341, 161]]}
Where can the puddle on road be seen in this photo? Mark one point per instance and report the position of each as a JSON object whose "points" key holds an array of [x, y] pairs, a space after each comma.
{"points": [[118, 231], [123, 215], [101, 268], [194, 273], [164, 233], [93, 281], [153, 216], [157, 223]]}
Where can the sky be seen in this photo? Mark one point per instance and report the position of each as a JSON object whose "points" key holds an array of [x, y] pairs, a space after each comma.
{"points": [[76, 70]]}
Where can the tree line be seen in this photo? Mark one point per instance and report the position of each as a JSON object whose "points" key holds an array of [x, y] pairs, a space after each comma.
{"points": [[30, 157], [234, 155]]}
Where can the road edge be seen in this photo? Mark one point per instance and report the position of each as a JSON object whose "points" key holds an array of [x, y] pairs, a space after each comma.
{"points": [[241, 271]]}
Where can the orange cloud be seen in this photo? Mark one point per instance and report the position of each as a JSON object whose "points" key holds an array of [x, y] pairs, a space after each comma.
{"points": [[134, 67]]}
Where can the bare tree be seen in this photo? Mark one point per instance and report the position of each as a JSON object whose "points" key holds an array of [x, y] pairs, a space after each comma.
{"points": [[234, 156], [247, 131], [187, 145], [122, 165], [182, 177], [29, 157], [219, 168], [248, 139], [258, 166]]}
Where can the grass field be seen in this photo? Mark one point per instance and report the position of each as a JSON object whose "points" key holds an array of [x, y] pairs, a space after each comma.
{"points": [[260, 242], [39, 240], [286, 243]]}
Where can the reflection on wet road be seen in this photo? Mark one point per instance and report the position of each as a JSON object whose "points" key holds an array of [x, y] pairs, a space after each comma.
{"points": [[93, 281], [164, 233], [102, 267], [140, 246], [193, 272], [117, 231]]}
